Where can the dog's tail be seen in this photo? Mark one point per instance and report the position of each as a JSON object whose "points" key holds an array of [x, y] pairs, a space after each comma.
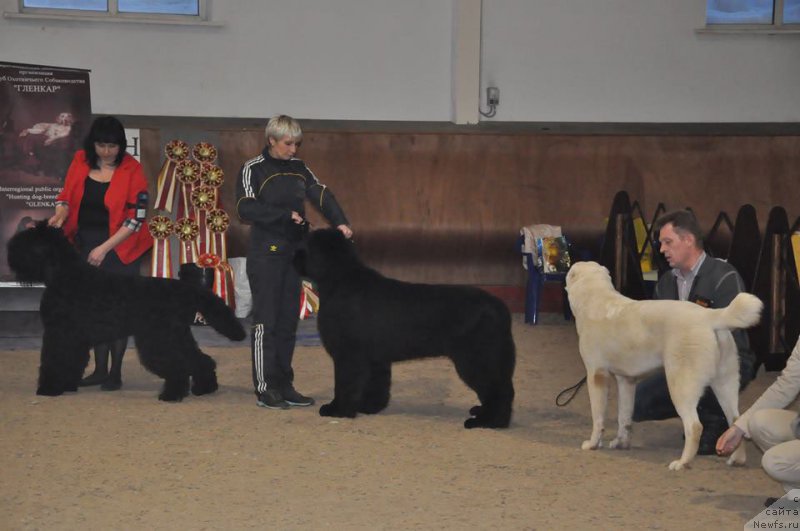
{"points": [[744, 311], [220, 316]]}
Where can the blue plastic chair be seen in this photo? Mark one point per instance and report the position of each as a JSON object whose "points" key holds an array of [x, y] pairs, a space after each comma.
{"points": [[535, 285]]}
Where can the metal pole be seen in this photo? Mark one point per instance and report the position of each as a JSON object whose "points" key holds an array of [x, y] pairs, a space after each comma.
{"points": [[619, 251], [777, 277]]}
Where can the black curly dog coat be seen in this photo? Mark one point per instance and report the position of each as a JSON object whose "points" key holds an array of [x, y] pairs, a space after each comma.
{"points": [[83, 306], [367, 321]]}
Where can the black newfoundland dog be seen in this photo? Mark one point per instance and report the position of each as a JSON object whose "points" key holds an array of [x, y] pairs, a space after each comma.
{"points": [[83, 305], [367, 321]]}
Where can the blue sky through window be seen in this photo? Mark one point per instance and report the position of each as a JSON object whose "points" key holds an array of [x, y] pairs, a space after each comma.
{"points": [[791, 11], [162, 7], [83, 5]]}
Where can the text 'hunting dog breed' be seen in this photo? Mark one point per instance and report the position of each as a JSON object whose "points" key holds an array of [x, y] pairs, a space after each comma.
{"points": [[83, 306], [627, 339]]}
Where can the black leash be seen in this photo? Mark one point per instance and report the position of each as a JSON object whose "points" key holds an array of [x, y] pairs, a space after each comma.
{"points": [[575, 388]]}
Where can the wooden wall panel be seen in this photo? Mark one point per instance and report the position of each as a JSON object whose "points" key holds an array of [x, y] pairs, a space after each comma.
{"points": [[447, 207]]}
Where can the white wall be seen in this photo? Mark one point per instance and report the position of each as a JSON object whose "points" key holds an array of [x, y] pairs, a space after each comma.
{"points": [[633, 61], [554, 60], [321, 59]]}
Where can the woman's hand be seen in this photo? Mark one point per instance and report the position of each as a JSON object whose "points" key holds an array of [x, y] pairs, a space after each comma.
{"points": [[97, 256], [59, 217], [347, 231], [729, 441]]}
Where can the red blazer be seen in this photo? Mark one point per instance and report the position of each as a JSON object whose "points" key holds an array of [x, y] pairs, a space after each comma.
{"points": [[120, 200]]}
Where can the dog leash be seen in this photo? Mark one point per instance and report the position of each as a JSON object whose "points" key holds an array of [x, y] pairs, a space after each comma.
{"points": [[575, 388]]}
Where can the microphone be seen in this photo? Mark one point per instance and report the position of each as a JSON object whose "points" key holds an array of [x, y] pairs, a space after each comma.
{"points": [[141, 206]]}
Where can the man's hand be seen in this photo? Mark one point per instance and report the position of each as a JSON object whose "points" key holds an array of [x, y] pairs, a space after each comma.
{"points": [[729, 441], [347, 231]]}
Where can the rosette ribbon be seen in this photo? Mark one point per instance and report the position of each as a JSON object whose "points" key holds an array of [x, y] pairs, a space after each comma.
{"points": [[204, 198], [160, 228], [211, 175], [176, 151], [223, 277], [309, 300], [217, 223], [204, 152], [187, 231], [188, 173]]}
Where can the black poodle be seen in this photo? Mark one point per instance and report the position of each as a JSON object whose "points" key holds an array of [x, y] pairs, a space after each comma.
{"points": [[367, 321], [83, 305]]}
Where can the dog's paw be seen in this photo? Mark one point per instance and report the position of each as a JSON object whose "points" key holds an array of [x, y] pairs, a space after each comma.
{"points": [[170, 397], [483, 422], [331, 410], [677, 465], [49, 391], [204, 388], [738, 457], [474, 411], [619, 444], [474, 423], [589, 445]]}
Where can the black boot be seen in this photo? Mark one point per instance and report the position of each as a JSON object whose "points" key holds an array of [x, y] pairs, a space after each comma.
{"points": [[114, 380], [100, 366]]}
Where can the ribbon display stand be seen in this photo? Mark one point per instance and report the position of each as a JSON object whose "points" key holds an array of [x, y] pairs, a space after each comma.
{"points": [[190, 184]]}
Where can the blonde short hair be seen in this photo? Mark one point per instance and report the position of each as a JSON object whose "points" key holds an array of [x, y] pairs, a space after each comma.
{"points": [[281, 125]]}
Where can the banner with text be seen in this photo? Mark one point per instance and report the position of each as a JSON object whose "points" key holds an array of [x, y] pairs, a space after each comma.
{"points": [[45, 112]]}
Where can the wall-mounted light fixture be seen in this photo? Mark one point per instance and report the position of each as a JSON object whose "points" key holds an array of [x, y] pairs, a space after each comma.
{"points": [[492, 100]]}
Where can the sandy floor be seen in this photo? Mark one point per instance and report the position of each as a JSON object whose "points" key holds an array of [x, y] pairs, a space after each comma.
{"points": [[124, 460]]}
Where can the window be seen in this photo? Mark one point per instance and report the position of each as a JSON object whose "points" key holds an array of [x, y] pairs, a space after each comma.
{"points": [[753, 14], [175, 11]]}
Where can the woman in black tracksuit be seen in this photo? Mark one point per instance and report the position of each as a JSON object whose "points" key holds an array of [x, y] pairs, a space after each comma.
{"points": [[270, 193]]}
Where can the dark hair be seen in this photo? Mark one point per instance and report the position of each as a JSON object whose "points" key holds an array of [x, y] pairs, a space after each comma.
{"points": [[105, 129], [683, 221]]}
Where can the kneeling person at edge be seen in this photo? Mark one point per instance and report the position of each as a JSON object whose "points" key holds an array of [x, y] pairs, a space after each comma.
{"points": [[710, 282], [270, 193]]}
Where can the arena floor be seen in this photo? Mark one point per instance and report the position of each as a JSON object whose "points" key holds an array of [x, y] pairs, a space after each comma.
{"points": [[124, 460]]}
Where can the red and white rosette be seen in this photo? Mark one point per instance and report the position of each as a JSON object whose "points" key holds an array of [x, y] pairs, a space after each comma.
{"points": [[204, 152], [212, 175], [208, 260], [187, 231], [160, 228], [223, 277], [188, 173], [217, 222], [309, 300], [204, 198], [176, 151]]}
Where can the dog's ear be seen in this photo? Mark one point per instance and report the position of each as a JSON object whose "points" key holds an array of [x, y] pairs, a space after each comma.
{"points": [[54, 249]]}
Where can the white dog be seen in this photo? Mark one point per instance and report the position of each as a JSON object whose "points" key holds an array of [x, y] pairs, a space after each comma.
{"points": [[630, 338]]}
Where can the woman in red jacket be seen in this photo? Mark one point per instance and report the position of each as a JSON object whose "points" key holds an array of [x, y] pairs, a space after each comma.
{"points": [[102, 209]]}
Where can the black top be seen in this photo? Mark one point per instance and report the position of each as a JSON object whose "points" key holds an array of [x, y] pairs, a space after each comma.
{"points": [[269, 189], [93, 213]]}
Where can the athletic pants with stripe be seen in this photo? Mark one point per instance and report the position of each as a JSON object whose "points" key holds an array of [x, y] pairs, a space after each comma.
{"points": [[275, 287]]}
